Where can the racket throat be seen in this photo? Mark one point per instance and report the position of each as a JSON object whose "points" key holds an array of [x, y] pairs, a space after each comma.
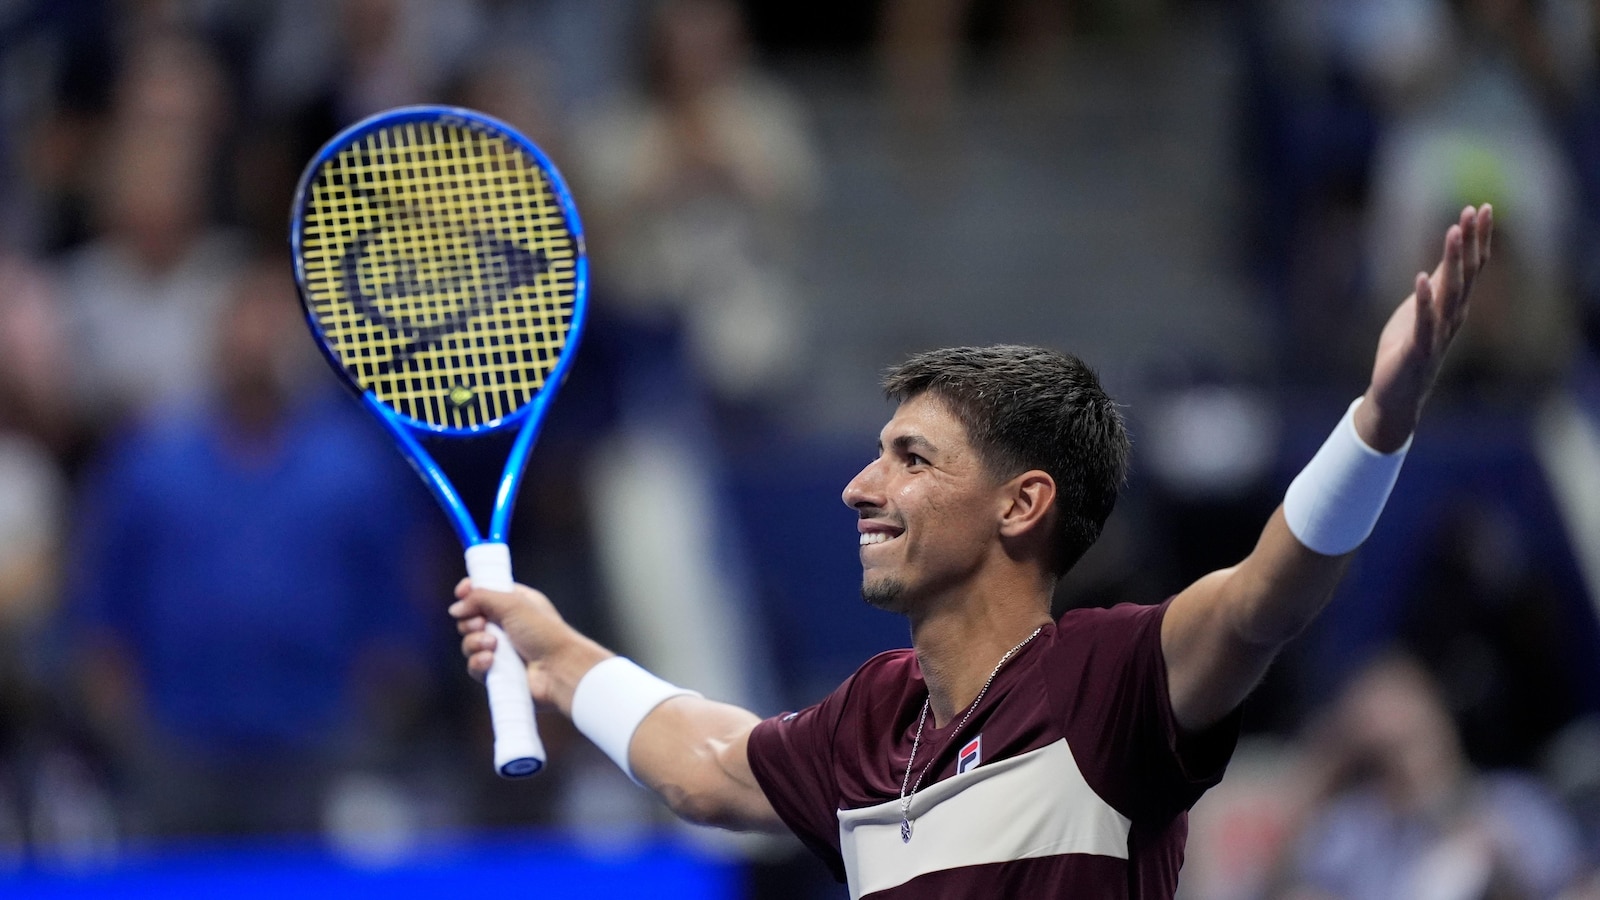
{"points": [[489, 566]]}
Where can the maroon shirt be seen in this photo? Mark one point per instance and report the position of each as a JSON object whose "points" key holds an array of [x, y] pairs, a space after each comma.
{"points": [[1074, 780]]}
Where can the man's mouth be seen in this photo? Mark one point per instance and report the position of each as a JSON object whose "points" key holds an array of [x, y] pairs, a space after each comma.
{"points": [[876, 537]]}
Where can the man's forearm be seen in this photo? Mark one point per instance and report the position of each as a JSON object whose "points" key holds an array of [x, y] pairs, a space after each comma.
{"points": [[1276, 592], [693, 752], [689, 750]]}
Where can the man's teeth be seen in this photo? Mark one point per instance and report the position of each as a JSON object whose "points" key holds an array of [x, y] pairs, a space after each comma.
{"points": [[873, 537]]}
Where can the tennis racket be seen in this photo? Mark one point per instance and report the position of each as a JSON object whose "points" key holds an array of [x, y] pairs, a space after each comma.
{"points": [[441, 265]]}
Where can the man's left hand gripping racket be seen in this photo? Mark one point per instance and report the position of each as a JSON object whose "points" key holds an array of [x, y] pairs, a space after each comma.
{"points": [[442, 268]]}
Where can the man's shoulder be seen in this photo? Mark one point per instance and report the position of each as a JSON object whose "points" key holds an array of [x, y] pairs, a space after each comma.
{"points": [[883, 679], [890, 663], [1103, 642], [886, 675], [1122, 616]]}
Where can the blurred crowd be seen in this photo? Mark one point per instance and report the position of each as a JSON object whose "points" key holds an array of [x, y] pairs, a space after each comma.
{"points": [[221, 591]]}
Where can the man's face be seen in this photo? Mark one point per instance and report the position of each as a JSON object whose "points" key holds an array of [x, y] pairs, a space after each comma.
{"points": [[928, 509]]}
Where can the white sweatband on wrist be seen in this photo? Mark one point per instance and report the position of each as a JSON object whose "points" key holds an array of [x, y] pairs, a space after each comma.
{"points": [[1335, 501], [612, 699]]}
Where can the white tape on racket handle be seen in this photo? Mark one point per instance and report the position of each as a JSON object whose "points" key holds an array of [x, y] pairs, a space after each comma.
{"points": [[518, 752]]}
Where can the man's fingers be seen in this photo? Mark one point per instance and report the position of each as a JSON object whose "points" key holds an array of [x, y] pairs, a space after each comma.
{"points": [[487, 604], [1469, 241], [1485, 232], [1449, 276], [478, 664], [477, 642], [1427, 312]]}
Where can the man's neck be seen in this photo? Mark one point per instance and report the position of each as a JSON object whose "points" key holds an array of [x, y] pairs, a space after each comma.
{"points": [[959, 645]]}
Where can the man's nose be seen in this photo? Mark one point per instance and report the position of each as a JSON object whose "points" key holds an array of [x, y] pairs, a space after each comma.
{"points": [[863, 490]]}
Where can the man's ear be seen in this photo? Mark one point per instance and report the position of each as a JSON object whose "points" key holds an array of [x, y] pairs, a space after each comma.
{"points": [[1027, 502]]}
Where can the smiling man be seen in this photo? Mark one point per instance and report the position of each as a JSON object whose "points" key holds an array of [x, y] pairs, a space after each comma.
{"points": [[1007, 754]]}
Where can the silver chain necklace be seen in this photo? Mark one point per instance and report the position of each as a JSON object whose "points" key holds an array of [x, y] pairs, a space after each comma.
{"points": [[905, 798]]}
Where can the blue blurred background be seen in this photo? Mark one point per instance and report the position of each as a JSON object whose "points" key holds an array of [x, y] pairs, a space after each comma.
{"points": [[224, 662]]}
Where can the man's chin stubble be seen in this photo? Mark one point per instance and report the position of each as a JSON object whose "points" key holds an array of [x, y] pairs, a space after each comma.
{"points": [[886, 595]]}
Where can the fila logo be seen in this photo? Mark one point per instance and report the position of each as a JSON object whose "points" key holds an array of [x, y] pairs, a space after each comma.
{"points": [[970, 755]]}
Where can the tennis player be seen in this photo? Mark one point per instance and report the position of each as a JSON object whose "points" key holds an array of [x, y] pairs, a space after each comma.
{"points": [[1006, 754]]}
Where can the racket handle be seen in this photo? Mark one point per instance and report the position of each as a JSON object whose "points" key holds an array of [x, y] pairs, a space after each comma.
{"points": [[518, 752]]}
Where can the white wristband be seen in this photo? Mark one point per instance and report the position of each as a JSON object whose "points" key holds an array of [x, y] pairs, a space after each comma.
{"points": [[1335, 501], [612, 699]]}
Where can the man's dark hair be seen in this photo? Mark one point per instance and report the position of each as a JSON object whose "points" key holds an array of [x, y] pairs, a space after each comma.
{"points": [[1030, 408]]}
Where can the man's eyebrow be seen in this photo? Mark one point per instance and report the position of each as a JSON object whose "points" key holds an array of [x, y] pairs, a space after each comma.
{"points": [[910, 443]]}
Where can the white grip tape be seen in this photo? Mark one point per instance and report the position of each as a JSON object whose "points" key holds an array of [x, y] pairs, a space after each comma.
{"points": [[1335, 501], [612, 699], [518, 752]]}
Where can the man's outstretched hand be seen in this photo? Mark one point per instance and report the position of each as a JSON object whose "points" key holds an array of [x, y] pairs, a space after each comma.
{"points": [[557, 656], [1414, 341]]}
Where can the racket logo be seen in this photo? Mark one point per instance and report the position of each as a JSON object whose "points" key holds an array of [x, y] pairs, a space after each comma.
{"points": [[483, 272], [442, 266]]}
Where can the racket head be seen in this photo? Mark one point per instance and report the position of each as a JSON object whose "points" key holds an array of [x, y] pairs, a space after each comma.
{"points": [[441, 266]]}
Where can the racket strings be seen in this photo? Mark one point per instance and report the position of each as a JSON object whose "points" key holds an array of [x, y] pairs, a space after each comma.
{"points": [[441, 270]]}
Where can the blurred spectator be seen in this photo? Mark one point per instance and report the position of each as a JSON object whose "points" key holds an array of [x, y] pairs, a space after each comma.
{"points": [[233, 558], [172, 82], [50, 809], [145, 295], [695, 191], [1401, 815], [924, 46], [1487, 141], [344, 60], [1396, 112], [1557, 44], [574, 53], [33, 494], [514, 87], [36, 364]]}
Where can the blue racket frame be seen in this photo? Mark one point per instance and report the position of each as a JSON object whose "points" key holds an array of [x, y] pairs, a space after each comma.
{"points": [[405, 429]]}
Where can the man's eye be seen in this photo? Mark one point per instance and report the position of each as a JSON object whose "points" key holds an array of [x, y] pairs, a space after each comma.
{"points": [[915, 460]]}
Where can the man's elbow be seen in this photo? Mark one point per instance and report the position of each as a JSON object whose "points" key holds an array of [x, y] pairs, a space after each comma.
{"points": [[702, 807], [1270, 631], [688, 804]]}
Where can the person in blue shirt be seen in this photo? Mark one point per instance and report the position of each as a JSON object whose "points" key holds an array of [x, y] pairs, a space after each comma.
{"points": [[243, 578]]}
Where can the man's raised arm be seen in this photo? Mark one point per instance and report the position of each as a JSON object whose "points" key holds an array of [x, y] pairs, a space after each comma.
{"points": [[690, 750], [1222, 632]]}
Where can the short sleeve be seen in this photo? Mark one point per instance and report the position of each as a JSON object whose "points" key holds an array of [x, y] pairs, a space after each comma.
{"points": [[1108, 680], [792, 757]]}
